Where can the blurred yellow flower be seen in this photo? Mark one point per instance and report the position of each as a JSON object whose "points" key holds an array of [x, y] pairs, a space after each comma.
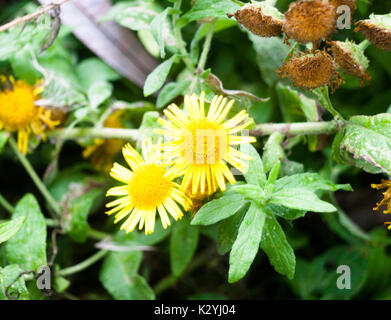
{"points": [[103, 151], [385, 184], [18, 112], [202, 145], [148, 187]]}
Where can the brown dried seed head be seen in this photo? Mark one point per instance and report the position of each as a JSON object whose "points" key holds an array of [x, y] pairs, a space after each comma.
{"points": [[376, 34], [310, 20], [350, 59], [258, 22], [350, 3], [310, 71]]}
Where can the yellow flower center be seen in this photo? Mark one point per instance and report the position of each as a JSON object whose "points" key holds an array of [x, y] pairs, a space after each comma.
{"points": [[149, 187], [17, 109], [205, 143]]}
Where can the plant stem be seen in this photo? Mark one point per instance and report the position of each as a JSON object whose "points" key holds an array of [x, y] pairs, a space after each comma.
{"points": [[204, 54], [102, 133], [6, 205], [263, 129], [83, 265], [34, 176], [179, 39], [296, 128]]}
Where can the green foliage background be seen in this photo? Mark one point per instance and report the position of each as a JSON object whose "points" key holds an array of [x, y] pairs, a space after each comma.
{"points": [[297, 242]]}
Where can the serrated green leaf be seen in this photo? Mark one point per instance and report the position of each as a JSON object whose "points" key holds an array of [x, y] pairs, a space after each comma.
{"points": [[10, 228], [157, 77], [218, 209], [8, 275], [119, 276], [183, 244], [301, 199], [247, 242], [170, 92], [27, 248], [310, 181], [255, 174], [365, 142], [277, 248]]}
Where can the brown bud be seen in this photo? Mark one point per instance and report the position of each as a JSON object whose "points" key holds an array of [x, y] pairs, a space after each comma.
{"points": [[350, 58], [259, 20], [310, 71], [310, 20], [377, 30]]}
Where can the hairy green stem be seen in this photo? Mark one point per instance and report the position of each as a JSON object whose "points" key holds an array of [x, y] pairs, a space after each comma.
{"points": [[34, 176], [83, 265], [263, 129], [5, 204], [204, 54]]}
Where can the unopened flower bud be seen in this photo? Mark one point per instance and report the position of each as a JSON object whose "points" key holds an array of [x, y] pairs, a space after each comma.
{"points": [[261, 18], [377, 29], [310, 20], [310, 71]]}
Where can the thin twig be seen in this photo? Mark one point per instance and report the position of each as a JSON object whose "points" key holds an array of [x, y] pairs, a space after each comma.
{"points": [[31, 16]]}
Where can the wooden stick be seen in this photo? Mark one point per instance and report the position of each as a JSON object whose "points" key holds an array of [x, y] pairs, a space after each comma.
{"points": [[31, 16]]}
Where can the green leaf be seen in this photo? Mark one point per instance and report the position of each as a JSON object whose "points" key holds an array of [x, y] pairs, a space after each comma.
{"points": [[210, 9], [310, 181], [247, 242], [99, 92], [219, 209], [249, 191], [170, 92], [302, 199], [255, 174], [8, 275], [119, 276], [135, 15], [277, 248], [365, 142], [157, 29], [10, 228], [77, 227], [286, 213], [3, 139], [271, 53], [157, 77], [27, 248], [94, 70], [273, 151], [228, 229], [183, 244]]}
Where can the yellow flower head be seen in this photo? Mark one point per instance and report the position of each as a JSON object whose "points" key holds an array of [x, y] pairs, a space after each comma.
{"points": [[149, 186], [19, 113], [202, 144], [102, 152], [385, 184]]}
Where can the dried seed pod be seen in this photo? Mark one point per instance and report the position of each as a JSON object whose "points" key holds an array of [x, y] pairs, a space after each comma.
{"points": [[261, 18], [350, 3], [350, 58], [310, 71], [377, 29], [310, 20]]}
